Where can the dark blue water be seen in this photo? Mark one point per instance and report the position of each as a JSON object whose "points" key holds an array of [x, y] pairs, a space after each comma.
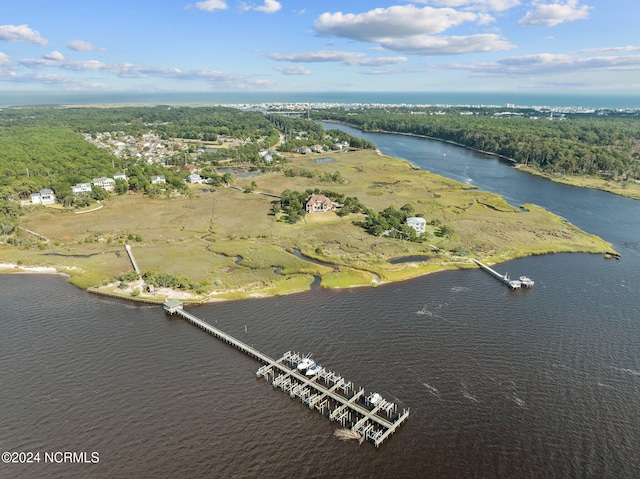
{"points": [[540, 383]]}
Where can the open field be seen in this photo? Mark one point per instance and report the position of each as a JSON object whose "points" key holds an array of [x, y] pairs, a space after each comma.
{"points": [[227, 241]]}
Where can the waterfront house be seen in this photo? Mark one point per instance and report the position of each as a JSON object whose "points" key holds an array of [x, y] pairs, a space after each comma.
{"points": [[417, 223], [44, 197]]}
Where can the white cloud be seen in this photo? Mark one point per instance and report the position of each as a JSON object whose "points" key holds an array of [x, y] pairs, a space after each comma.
{"points": [[552, 14], [409, 29], [211, 5], [81, 46], [430, 45], [550, 63], [270, 6], [627, 48], [130, 70], [316, 57], [393, 22], [54, 55], [5, 61], [485, 5], [379, 61], [21, 33], [326, 56], [293, 70]]}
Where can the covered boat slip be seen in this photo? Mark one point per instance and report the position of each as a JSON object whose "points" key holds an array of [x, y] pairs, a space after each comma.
{"points": [[371, 416]]}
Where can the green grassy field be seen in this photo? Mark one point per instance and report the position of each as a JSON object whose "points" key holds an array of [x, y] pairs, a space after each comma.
{"points": [[201, 235]]}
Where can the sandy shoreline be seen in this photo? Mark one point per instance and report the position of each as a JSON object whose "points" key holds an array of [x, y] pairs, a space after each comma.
{"points": [[16, 268]]}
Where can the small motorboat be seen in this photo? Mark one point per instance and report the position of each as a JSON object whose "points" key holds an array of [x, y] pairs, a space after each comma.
{"points": [[305, 364], [313, 370]]}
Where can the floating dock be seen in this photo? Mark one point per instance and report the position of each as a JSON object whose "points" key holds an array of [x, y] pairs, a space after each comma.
{"points": [[511, 283], [370, 415]]}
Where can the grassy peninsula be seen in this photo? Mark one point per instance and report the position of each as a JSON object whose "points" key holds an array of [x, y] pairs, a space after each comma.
{"points": [[228, 243]]}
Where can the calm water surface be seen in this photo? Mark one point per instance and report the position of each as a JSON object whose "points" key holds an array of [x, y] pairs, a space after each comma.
{"points": [[542, 383]]}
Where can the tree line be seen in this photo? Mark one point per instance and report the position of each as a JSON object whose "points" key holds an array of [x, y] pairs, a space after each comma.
{"points": [[578, 144]]}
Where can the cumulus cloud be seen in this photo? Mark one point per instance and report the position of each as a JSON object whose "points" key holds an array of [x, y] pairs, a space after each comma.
{"points": [[211, 5], [21, 33], [55, 56], [552, 14], [411, 30], [326, 56], [81, 46], [5, 61], [270, 6], [393, 22], [293, 70]]}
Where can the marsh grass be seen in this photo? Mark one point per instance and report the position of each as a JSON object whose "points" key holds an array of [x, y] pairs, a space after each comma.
{"points": [[200, 235]]}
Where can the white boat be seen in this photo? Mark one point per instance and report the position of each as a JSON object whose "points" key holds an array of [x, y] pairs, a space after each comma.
{"points": [[305, 364], [375, 398], [313, 370]]}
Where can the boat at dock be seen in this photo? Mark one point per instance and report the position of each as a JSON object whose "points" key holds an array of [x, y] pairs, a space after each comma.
{"points": [[313, 370], [305, 363]]}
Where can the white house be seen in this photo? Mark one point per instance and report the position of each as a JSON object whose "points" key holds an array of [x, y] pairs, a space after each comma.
{"points": [[195, 178], [109, 184], [81, 188], [158, 179], [44, 197], [417, 223], [120, 176]]}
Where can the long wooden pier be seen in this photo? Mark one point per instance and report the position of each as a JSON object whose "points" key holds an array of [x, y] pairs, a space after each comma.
{"points": [[371, 416], [511, 283]]}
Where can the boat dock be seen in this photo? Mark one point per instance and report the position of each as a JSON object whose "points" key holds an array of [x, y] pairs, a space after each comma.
{"points": [[370, 415], [511, 283]]}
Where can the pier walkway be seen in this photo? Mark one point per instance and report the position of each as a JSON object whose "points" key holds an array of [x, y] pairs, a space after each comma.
{"points": [[512, 283], [133, 260], [371, 416]]}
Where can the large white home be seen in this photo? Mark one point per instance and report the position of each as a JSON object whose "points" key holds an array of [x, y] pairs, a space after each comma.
{"points": [[43, 197], [417, 223], [120, 176], [109, 184], [158, 179], [81, 188]]}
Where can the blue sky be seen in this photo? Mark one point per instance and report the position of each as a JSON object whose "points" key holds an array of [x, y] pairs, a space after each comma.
{"points": [[589, 46]]}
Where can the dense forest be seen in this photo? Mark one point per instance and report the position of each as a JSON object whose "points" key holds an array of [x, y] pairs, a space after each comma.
{"points": [[574, 144], [44, 147]]}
